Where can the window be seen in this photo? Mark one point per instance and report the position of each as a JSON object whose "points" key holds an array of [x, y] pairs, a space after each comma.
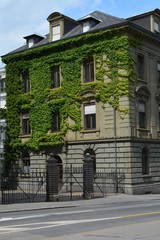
{"points": [[141, 66], [142, 114], [55, 32], [2, 85], [26, 129], [56, 122], [3, 102], [159, 117], [25, 162], [90, 116], [85, 26], [156, 26], [30, 42], [3, 135], [26, 82], [145, 161], [158, 73], [88, 70], [55, 76]]}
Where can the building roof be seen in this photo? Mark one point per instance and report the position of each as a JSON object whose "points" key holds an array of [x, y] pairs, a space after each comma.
{"points": [[103, 21]]}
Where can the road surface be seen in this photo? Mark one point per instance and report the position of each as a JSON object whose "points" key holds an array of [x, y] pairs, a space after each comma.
{"points": [[118, 221]]}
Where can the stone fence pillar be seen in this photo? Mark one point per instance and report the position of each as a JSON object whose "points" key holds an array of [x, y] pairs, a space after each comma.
{"points": [[88, 176], [52, 179]]}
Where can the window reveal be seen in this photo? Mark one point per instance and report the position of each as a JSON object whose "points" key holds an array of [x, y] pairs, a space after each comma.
{"points": [[26, 129], [88, 70], [90, 116]]}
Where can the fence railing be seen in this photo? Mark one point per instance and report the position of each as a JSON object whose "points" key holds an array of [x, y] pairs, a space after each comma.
{"points": [[69, 182]]}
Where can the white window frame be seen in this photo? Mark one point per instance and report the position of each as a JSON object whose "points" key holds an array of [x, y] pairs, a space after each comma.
{"points": [[156, 26], [90, 110], [142, 110], [56, 33]]}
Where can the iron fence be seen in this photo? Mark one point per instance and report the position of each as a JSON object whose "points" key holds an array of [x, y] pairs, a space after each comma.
{"points": [[21, 188]]}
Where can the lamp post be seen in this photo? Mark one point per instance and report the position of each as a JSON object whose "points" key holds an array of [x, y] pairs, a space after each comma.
{"points": [[115, 126], [115, 148]]}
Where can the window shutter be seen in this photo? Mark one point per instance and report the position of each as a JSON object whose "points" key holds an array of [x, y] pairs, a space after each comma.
{"points": [[91, 109]]}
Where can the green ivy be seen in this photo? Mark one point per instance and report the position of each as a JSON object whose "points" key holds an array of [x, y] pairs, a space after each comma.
{"points": [[113, 61]]}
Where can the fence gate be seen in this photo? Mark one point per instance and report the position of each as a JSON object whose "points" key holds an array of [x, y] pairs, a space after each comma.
{"points": [[53, 184], [23, 188], [73, 186]]}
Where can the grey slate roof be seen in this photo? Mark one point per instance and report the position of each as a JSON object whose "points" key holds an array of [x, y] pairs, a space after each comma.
{"points": [[104, 19]]}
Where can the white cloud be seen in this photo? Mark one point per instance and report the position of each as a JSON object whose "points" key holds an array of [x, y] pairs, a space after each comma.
{"points": [[19, 18]]}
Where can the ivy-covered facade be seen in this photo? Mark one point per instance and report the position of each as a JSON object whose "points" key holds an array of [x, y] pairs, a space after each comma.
{"points": [[2, 117], [89, 86]]}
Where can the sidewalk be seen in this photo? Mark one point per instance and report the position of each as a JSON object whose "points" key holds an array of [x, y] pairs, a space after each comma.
{"points": [[114, 198]]}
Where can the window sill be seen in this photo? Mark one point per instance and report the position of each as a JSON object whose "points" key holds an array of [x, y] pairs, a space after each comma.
{"points": [[143, 129], [146, 176], [90, 131], [55, 88], [144, 133], [25, 135], [142, 80]]}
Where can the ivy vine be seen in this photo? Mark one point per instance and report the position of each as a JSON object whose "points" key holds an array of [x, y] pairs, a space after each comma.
{"points": [[112, 61]]}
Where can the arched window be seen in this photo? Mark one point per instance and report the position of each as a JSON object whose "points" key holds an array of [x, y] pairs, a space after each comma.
{"points": [[145, 161], [92, 155]]}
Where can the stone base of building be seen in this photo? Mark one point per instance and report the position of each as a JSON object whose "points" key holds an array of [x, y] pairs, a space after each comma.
{"points": [[143, 189]]}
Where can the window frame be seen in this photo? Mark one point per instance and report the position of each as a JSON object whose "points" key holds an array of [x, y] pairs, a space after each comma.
{"points": [[55, 76], [142, 116], [158, 73], [3, 133], [26, 128], [2, 85], [57, 35], [26, 81], [156, 24], [56, 125], [88, 70], [141, 66], [90, 122]]}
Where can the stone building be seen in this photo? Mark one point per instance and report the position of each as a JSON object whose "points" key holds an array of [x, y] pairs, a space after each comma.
{"points": [[90, 85], [2, 117]]}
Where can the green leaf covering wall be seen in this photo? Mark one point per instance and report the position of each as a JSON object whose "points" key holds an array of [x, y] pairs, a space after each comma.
{"points": [[112, 59]]}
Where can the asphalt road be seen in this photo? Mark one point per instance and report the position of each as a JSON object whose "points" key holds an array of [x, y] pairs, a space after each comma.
{"points": [[118, 221]]}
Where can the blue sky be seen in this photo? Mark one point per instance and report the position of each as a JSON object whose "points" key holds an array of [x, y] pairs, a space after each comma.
{"points": [[19, 18]]}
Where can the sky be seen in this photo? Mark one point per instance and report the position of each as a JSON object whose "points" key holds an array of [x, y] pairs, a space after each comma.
{"points": [[19, 18]]}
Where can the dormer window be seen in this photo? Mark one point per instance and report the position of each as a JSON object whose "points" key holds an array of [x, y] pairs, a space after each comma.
{"points": [[56, 32], [85, 26], [88, 22], [156, 26], [30, 42], [32, 39], [59, 25]]}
